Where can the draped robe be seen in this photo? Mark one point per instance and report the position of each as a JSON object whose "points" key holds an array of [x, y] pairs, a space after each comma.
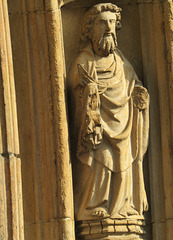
{"points": [[112, 175]]}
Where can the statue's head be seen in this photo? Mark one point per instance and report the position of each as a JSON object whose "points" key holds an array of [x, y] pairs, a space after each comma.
{"points": [[100, 24]]}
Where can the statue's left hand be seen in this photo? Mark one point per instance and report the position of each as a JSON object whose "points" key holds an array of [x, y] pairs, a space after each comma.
{"points": [[140, 97]]}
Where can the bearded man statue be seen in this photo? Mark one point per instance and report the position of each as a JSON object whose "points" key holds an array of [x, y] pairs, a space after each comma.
{"points": [[110, 124]]}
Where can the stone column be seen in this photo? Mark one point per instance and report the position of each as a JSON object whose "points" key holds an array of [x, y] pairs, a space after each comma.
{"points": [[11, 207], [39, 77], [157, 45], [57, 71]]}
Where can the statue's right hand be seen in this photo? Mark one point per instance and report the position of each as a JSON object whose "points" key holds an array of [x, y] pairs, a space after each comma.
{"points": [[94, 139], [98, 135]]}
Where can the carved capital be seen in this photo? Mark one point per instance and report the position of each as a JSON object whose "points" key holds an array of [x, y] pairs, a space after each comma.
{"points": [[63, 2]]}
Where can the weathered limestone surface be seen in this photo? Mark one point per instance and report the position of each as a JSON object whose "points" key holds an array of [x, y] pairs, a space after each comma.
{"points": [[156, 28], [155, 19], [111, 135], [11, 201], [39, 78]]}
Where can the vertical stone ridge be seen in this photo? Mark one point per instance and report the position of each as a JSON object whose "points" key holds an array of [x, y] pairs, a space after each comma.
{"points": [[46, 163], [149, 51], [64, 172], [42, 167], [9, 89], [28, 38], [3, 202], [12, 225], [166, 106], [156, 29]]}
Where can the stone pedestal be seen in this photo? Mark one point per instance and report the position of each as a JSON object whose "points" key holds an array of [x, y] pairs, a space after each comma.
{"points": [[111, 229]]}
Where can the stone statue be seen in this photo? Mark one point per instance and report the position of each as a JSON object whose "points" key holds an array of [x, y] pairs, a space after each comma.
{"points": [[110, 125]]}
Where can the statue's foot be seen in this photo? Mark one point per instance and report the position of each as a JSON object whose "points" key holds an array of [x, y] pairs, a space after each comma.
{"points": [[100, 213], [129, 212], [145, 203]]}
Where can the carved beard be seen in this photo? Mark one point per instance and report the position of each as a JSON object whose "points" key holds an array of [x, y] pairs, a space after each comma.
{"points": [[104, 45]]}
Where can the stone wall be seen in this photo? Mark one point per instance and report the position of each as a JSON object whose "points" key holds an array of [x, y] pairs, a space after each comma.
{"points": [[39, 38]]}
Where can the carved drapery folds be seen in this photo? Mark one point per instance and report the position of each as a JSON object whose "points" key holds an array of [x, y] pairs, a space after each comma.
{"points": [[111, 133]]}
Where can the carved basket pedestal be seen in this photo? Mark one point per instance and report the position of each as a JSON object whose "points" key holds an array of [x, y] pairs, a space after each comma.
{"points": [[110, 229]]}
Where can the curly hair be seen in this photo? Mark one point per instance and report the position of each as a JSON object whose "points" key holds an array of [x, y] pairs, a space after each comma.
{"points": [[91, 14]]}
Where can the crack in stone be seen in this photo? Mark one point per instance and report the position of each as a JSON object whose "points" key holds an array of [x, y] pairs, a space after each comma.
{"points": [[89, 228], [114, 226], [9, 155], [49, 220], [35, 12], [161, 221], [101, 227]]}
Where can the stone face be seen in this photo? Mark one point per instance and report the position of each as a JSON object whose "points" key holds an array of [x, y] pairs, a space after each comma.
{"points": [[112, 132]]}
